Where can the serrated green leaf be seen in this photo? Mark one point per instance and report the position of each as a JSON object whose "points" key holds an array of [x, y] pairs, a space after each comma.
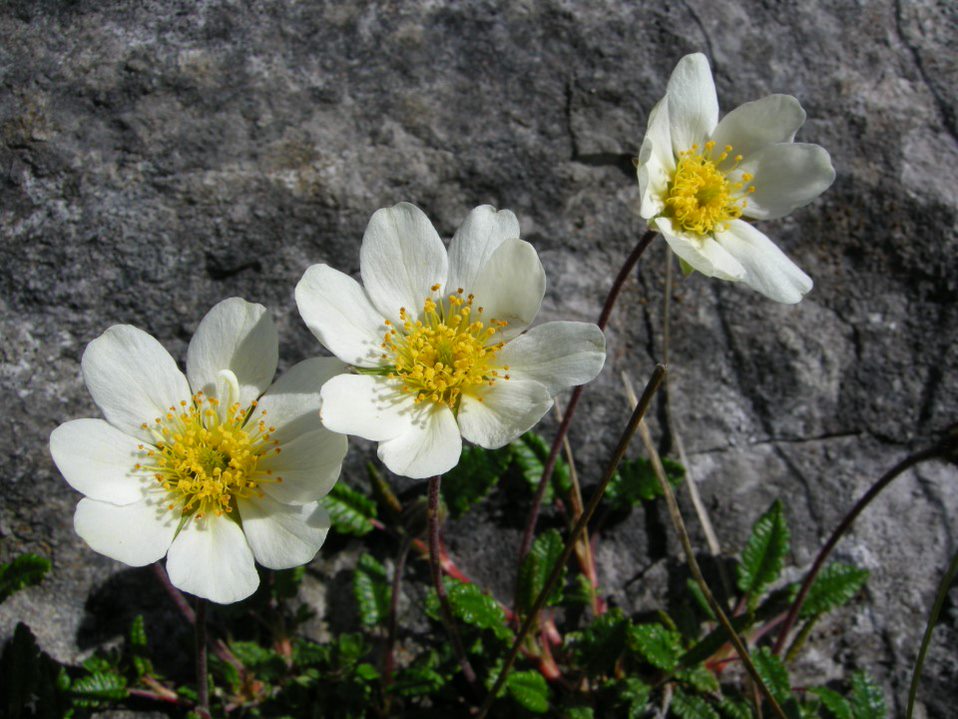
{"points": [[764, 554], [536, 568], [773, 672], [371, 590], [417, 681], [578, 593], [734, 709], [867, 699], [265, 662], [349, 510], [633, 694], [699, 677], [350, 648], [635, 482], [712, 641], [689, 706], [597, 647], [138, 632], [24, 571], [473, 478], [835, 703], [834, 586], [661, 647], [473, 607], [529, 690], [91, 690], [578, 713], [530, 452]]}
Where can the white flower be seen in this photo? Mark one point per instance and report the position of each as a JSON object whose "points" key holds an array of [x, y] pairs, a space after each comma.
{"points": [[699, 176], [204, 468], [436, 339]]}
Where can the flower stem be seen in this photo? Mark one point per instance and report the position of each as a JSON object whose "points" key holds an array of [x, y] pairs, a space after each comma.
{"points": [[550, 463], [389, 660], [202, 684], [910, 461], [531, 619], [432, 518]]}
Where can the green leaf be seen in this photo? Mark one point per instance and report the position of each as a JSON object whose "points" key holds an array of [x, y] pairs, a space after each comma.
{"points": [[530, 452], [24, 571], [688, 706], [867, 699], [635, 482], [265, 662], [764, 554], [530, 691], [834, 586], [773, 672], [415, 681], [349, 510], [95, 689], [536, 568], [699, 677], [578, 713], [138, 632], [634, 696], [471, 606], [597, 647], [734, 709], [578, 593], [834, 702], [660, 646], [371, 590], [473, 478]]}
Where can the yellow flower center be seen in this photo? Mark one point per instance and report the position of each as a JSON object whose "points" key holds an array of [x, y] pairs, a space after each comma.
{"points": [[701, 197], [206, 458], [446, 353]]}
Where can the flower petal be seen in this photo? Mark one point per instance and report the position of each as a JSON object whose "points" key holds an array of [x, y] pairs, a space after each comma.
{"points": [[693, 105], [136, 534], [431, 445], [401, 259], [754, 125], [483, 230], [132, 378], [656, 161], [97, 459], [786, 176], [336, 309], [292, 402], [210, 558], [555, 354], [239, 336], [508, 408], [306, 468], [510, 287], [767, 269], [282, 535], [702, 253], [368, 406]]}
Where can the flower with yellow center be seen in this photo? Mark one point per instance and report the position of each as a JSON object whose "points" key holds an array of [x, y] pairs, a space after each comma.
{"points": [[438, 339], [214, 469], [702, 179]]}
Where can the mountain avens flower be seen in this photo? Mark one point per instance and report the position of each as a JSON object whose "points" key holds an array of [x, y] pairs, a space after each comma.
{"points": [[436, 340], [701, 179], [212, 469]]}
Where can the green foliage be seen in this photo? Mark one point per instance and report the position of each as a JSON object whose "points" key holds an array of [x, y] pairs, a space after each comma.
{"points": [[660, 646], [837, 706], [764, 554], [470, 481], [773, 672], [530, 452], [734, 709], [699, 678], [635, 482], [597, 647], [690, 706], [536, 567], [471, 606], [529, 690], [834, 586], [137, 647], [31, 683], [632, 696], [98, 690], [371, 590], [349, 510], [578, 713], [867, 699], [24, 571], [285, 584]]}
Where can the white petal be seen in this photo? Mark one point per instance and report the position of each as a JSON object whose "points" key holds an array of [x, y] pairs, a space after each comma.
{"points": [[508, 408], [368, 406], [786, 176], [556, 354], [210, 558], [430, 446], [703, 253], [308, 465], [754, 125], [132, 378], [136, 534], [767, 269], [474, 242], [292, 402], [656, 161], [693, 105], [401, 259], [97, 459], [283, 535], [336, 309], [239, 336], [510, 287]]}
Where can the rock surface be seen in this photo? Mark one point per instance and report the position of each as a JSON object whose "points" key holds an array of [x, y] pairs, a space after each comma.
{"points": [[157, 157]]}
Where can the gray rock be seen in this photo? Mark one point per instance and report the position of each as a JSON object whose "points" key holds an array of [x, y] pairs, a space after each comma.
{"points": [[161, 156]]}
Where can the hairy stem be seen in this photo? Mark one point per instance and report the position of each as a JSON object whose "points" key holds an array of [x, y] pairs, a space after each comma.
{"points": [[650, 389]]}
